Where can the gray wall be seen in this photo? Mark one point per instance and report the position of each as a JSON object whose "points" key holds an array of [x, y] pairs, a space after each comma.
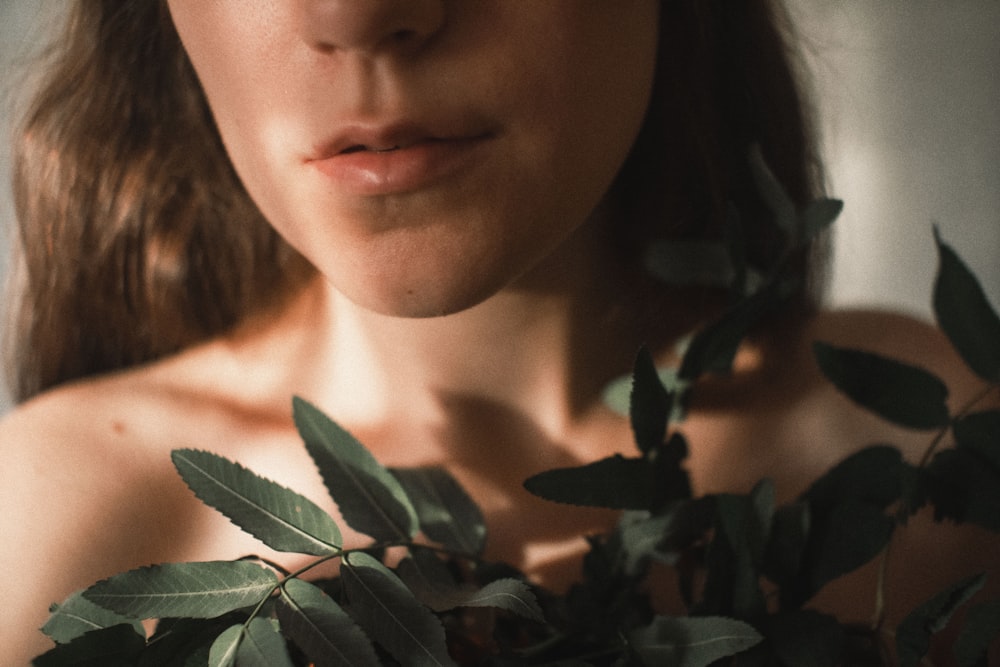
{"points": [[908, 94]]}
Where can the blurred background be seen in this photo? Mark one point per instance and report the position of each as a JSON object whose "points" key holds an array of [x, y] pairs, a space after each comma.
{"points": [[908, 97]]}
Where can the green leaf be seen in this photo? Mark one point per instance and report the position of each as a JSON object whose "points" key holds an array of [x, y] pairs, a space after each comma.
{"points": [[263, 646], [78, 615], [981, 628], [422, 575], [773, 193], [282, 519], [901, 393], [388, 612], [370, 499], [806, 638], [872, 475], [819, 215], [225, 647], [649, 404], [617, 395], [322, 629], [615, 483], [185, 642], [713, 349], [173, 590], [963, 487], [913, 636], [691, 642], [980, 432], [964, 314], [116, 646], [789, 536], [852, 534], [445, 511]]}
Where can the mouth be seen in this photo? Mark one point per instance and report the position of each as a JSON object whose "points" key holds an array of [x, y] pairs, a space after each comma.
{"points": [[397, 160]]}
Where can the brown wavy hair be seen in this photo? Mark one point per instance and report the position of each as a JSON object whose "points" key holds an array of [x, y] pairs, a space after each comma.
{"points": [[136, 238]]}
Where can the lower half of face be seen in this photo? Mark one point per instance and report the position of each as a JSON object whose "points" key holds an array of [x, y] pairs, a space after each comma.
{"points": [[423, 178]]}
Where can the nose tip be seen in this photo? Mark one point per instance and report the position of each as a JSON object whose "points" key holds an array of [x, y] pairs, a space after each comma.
{"points": [[370, 25]]}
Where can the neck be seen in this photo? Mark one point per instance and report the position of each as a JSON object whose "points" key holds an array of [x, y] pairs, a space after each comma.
{"points": [[543, 348]]}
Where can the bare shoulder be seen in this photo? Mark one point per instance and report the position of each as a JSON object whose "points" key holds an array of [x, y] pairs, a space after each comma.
{"points": [[88, 489]]}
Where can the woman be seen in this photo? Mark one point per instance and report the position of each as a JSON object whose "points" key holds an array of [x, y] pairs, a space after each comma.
{"points": [[429, 224]]}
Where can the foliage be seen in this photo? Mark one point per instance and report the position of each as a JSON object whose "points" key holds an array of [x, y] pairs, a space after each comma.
{"points": [[746, 567]]}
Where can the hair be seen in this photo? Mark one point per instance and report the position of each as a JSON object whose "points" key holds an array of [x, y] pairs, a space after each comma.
{"points": [[137, 239]]}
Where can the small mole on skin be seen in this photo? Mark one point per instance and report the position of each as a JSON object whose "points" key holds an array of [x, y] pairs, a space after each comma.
{"points": [[118, 427]]}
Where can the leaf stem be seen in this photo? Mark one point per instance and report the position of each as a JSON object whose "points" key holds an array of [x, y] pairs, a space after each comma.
{"points": [[962, 412]]}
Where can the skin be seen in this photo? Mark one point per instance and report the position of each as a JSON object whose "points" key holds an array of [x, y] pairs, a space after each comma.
{"points": [[505, 384]]}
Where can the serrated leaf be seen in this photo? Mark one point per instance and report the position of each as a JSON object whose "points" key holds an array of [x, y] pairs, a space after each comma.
{"points": [[692, 641], [388, 612], [421, 574], [980, 432], [963, 487], [901, 393], [174, 590], [116, 646], [78, 615], [262, 646], [445, 511], [685, 262], [872, 475], [322, 629], [806, 638], [649, 403], [185, 642], [713, 349], [852, 534], [618, 393], [964, 314], [981, 628], [225, 647], [279, 517], [370, 499], [615, 483], [913, 635]]}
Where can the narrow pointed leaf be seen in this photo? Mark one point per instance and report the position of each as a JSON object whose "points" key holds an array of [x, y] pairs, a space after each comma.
{"points": [[773, 193], [713, 349], [615, 482], [279, 517], [692, 641], [262, 646], [964, 314], [388, 612], [322, 629], [649, 404], [440, 593], [174, 590], [913, 636], [445, 511], [225, 647], [872, 475], [981, 628], [78, 615], [901, 393], [819, 215], [117, 646], [370, 499], [980, 431]]}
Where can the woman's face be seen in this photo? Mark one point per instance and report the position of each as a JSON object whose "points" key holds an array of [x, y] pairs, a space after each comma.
{"points": [[424, 154]]}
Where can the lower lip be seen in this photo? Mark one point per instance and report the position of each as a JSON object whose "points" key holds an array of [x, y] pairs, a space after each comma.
{"points": [[419, 166]]}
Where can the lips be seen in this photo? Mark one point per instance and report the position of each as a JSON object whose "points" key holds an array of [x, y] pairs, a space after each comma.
{"points": [[397, 159]]}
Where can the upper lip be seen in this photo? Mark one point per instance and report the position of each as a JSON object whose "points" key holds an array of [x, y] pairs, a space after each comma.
{"points": [[388, 136]]}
